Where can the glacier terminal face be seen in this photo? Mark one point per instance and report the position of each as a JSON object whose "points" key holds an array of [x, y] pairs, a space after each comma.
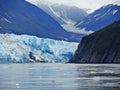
{"points": [[25, 49]]}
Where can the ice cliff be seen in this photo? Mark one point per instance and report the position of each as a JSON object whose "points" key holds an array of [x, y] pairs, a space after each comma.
{"points": [[25, 49]]}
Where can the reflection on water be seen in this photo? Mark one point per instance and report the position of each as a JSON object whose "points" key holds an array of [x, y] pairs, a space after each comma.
{"points": [[59, 77]]}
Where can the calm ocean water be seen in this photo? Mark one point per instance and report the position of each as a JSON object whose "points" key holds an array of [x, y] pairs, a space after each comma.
{"points": [[59, 77]]}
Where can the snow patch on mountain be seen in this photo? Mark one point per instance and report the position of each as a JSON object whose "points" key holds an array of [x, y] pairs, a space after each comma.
{"points": [[97, 15], [115, 11], [60, 14], [71, 28], [5, 19], [25, 49]]}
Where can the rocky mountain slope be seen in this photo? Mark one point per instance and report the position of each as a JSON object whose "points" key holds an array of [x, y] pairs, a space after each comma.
{"points": [[100, 47], [62, 13], [21, 17], [100, 18], [65, 15]]}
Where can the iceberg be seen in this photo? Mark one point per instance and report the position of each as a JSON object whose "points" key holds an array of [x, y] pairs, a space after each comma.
{"points": [[25, 49]]}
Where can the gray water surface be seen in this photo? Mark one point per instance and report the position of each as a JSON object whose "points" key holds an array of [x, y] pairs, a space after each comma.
{"points": [[59, 77]]}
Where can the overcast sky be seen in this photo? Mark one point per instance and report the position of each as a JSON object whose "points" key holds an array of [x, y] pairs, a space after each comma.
{"points": [[91, 4]]}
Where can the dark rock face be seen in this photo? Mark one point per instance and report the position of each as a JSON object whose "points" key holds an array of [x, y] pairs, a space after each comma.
{"points": [[100, 47]]}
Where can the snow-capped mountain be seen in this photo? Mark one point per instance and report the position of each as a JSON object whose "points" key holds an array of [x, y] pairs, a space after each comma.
{"points": [[100, 18], [22, 17], [62, 13], [66, 16], [25, 49]]}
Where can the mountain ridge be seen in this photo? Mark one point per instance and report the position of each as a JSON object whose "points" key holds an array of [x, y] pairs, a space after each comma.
{"points": [[64, 14], [21, 17], [100, 18]]}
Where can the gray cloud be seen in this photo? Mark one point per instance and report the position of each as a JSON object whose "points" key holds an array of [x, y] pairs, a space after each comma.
{"points": [[92, 4]]}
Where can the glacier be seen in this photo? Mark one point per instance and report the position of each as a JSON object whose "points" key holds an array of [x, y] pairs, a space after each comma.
{"points": [[25, 49]]}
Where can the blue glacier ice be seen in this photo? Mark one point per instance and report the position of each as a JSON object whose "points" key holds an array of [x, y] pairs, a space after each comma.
{"points": [[25, 49]]}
